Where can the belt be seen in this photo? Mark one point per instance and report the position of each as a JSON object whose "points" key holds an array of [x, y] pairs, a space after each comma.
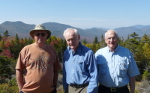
{"points": [[114, 89], [79, 85]]}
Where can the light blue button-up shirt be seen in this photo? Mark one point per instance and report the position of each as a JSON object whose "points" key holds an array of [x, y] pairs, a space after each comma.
{"points": [[80, 67], [115, 68]]}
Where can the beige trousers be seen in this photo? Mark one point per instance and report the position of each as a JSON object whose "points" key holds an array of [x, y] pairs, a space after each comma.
{"points": [[77, 90]]}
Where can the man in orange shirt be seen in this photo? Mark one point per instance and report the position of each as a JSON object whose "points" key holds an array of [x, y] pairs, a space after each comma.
{"points": [[37, 66]]}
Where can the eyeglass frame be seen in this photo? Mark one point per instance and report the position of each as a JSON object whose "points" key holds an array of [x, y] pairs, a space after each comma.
{"points": [[40, 34]]}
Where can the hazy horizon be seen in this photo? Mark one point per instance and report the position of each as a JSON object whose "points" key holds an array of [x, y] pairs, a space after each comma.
{"points": [[78, 13]]}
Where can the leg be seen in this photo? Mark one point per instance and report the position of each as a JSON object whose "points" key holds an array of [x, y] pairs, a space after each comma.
{"points": [[54, 91], [77, 90], [102, 89]]}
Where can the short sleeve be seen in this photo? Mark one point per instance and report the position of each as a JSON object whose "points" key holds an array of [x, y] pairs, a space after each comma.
{"points": [[20, 62]]}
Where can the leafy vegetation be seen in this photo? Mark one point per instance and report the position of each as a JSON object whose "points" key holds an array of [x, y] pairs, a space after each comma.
{"points": [[10, 48]]}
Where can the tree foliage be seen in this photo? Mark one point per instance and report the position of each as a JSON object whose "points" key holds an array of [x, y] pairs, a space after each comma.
{"points": [[139, 46], [6, 33], [5, 70]]}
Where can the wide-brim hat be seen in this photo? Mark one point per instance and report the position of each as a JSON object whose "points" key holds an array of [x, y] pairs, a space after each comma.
{"points": [[40, 28]]}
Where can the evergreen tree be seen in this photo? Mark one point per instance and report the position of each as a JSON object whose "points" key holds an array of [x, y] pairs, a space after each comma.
{"points": [[17, 39], [15, 47], [133, 43], [0, 37], [121, 41], [6, 34], [95, 40], [102, 42], [84, 42], [29, 41], [2, 44], [5, 71]]}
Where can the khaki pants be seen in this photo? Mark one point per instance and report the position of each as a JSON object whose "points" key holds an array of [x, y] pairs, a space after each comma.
{"points": [[77, 90]]}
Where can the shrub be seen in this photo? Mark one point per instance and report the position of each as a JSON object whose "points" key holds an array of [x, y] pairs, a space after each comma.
{"points": [[5, 88], [146, 75]]}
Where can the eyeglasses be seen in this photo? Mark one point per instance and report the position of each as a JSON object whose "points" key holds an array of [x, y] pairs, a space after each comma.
{"points": [[40, 34], [113, 38]]}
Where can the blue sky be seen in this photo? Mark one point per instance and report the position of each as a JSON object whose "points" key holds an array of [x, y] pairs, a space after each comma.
{"points": [[78, 13]]}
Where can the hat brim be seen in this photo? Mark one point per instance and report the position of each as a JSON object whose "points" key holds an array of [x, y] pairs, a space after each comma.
{"points": [[32, 32]]}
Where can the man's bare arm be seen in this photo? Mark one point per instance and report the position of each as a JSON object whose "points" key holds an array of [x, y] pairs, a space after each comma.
{"points": [[19, 78]]}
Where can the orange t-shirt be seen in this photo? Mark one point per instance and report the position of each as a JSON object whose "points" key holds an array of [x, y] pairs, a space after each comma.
{"points": [[39, 65]]}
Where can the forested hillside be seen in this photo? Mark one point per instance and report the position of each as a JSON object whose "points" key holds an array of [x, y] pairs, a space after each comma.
{"points": [[22, 29], [11, 46]]}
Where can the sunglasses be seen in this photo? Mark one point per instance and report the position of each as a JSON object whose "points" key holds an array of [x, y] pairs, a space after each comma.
{"points": [[40, 34]]}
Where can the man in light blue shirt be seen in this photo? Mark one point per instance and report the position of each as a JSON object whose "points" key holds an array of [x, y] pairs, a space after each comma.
{"points": [[116, 66], [79, 66]]}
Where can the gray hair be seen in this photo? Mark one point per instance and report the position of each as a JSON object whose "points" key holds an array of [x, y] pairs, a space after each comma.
{"points": [[70, 29], [112, 31]]}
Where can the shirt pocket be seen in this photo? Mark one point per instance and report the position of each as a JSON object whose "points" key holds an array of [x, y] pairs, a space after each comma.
{"points": [[79, 66], [123, 67], [102, 68], [82, 68]]}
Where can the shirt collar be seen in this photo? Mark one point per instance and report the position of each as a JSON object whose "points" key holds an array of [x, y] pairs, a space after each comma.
{"points": [[116, 49]]}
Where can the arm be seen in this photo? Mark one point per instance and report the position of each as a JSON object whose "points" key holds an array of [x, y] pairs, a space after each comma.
{"points": [[19, 78], [65, 85], [57, 67], [55, 78], [132, 84], [132, 72], [93, 83]]}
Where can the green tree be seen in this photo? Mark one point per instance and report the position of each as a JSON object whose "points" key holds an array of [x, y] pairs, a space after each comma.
{"points": [[30, 41], [59, 45], [52, 38], [121, 41], [2, 44], [16, 47], [95, 40], [84, 42], [61, 49], [134, 44], [5, 71], [146, 75], [102, 42], [0, 37], [6, 33]]}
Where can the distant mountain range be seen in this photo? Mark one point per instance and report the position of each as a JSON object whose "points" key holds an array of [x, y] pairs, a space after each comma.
{"points": [[57, 29]]}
